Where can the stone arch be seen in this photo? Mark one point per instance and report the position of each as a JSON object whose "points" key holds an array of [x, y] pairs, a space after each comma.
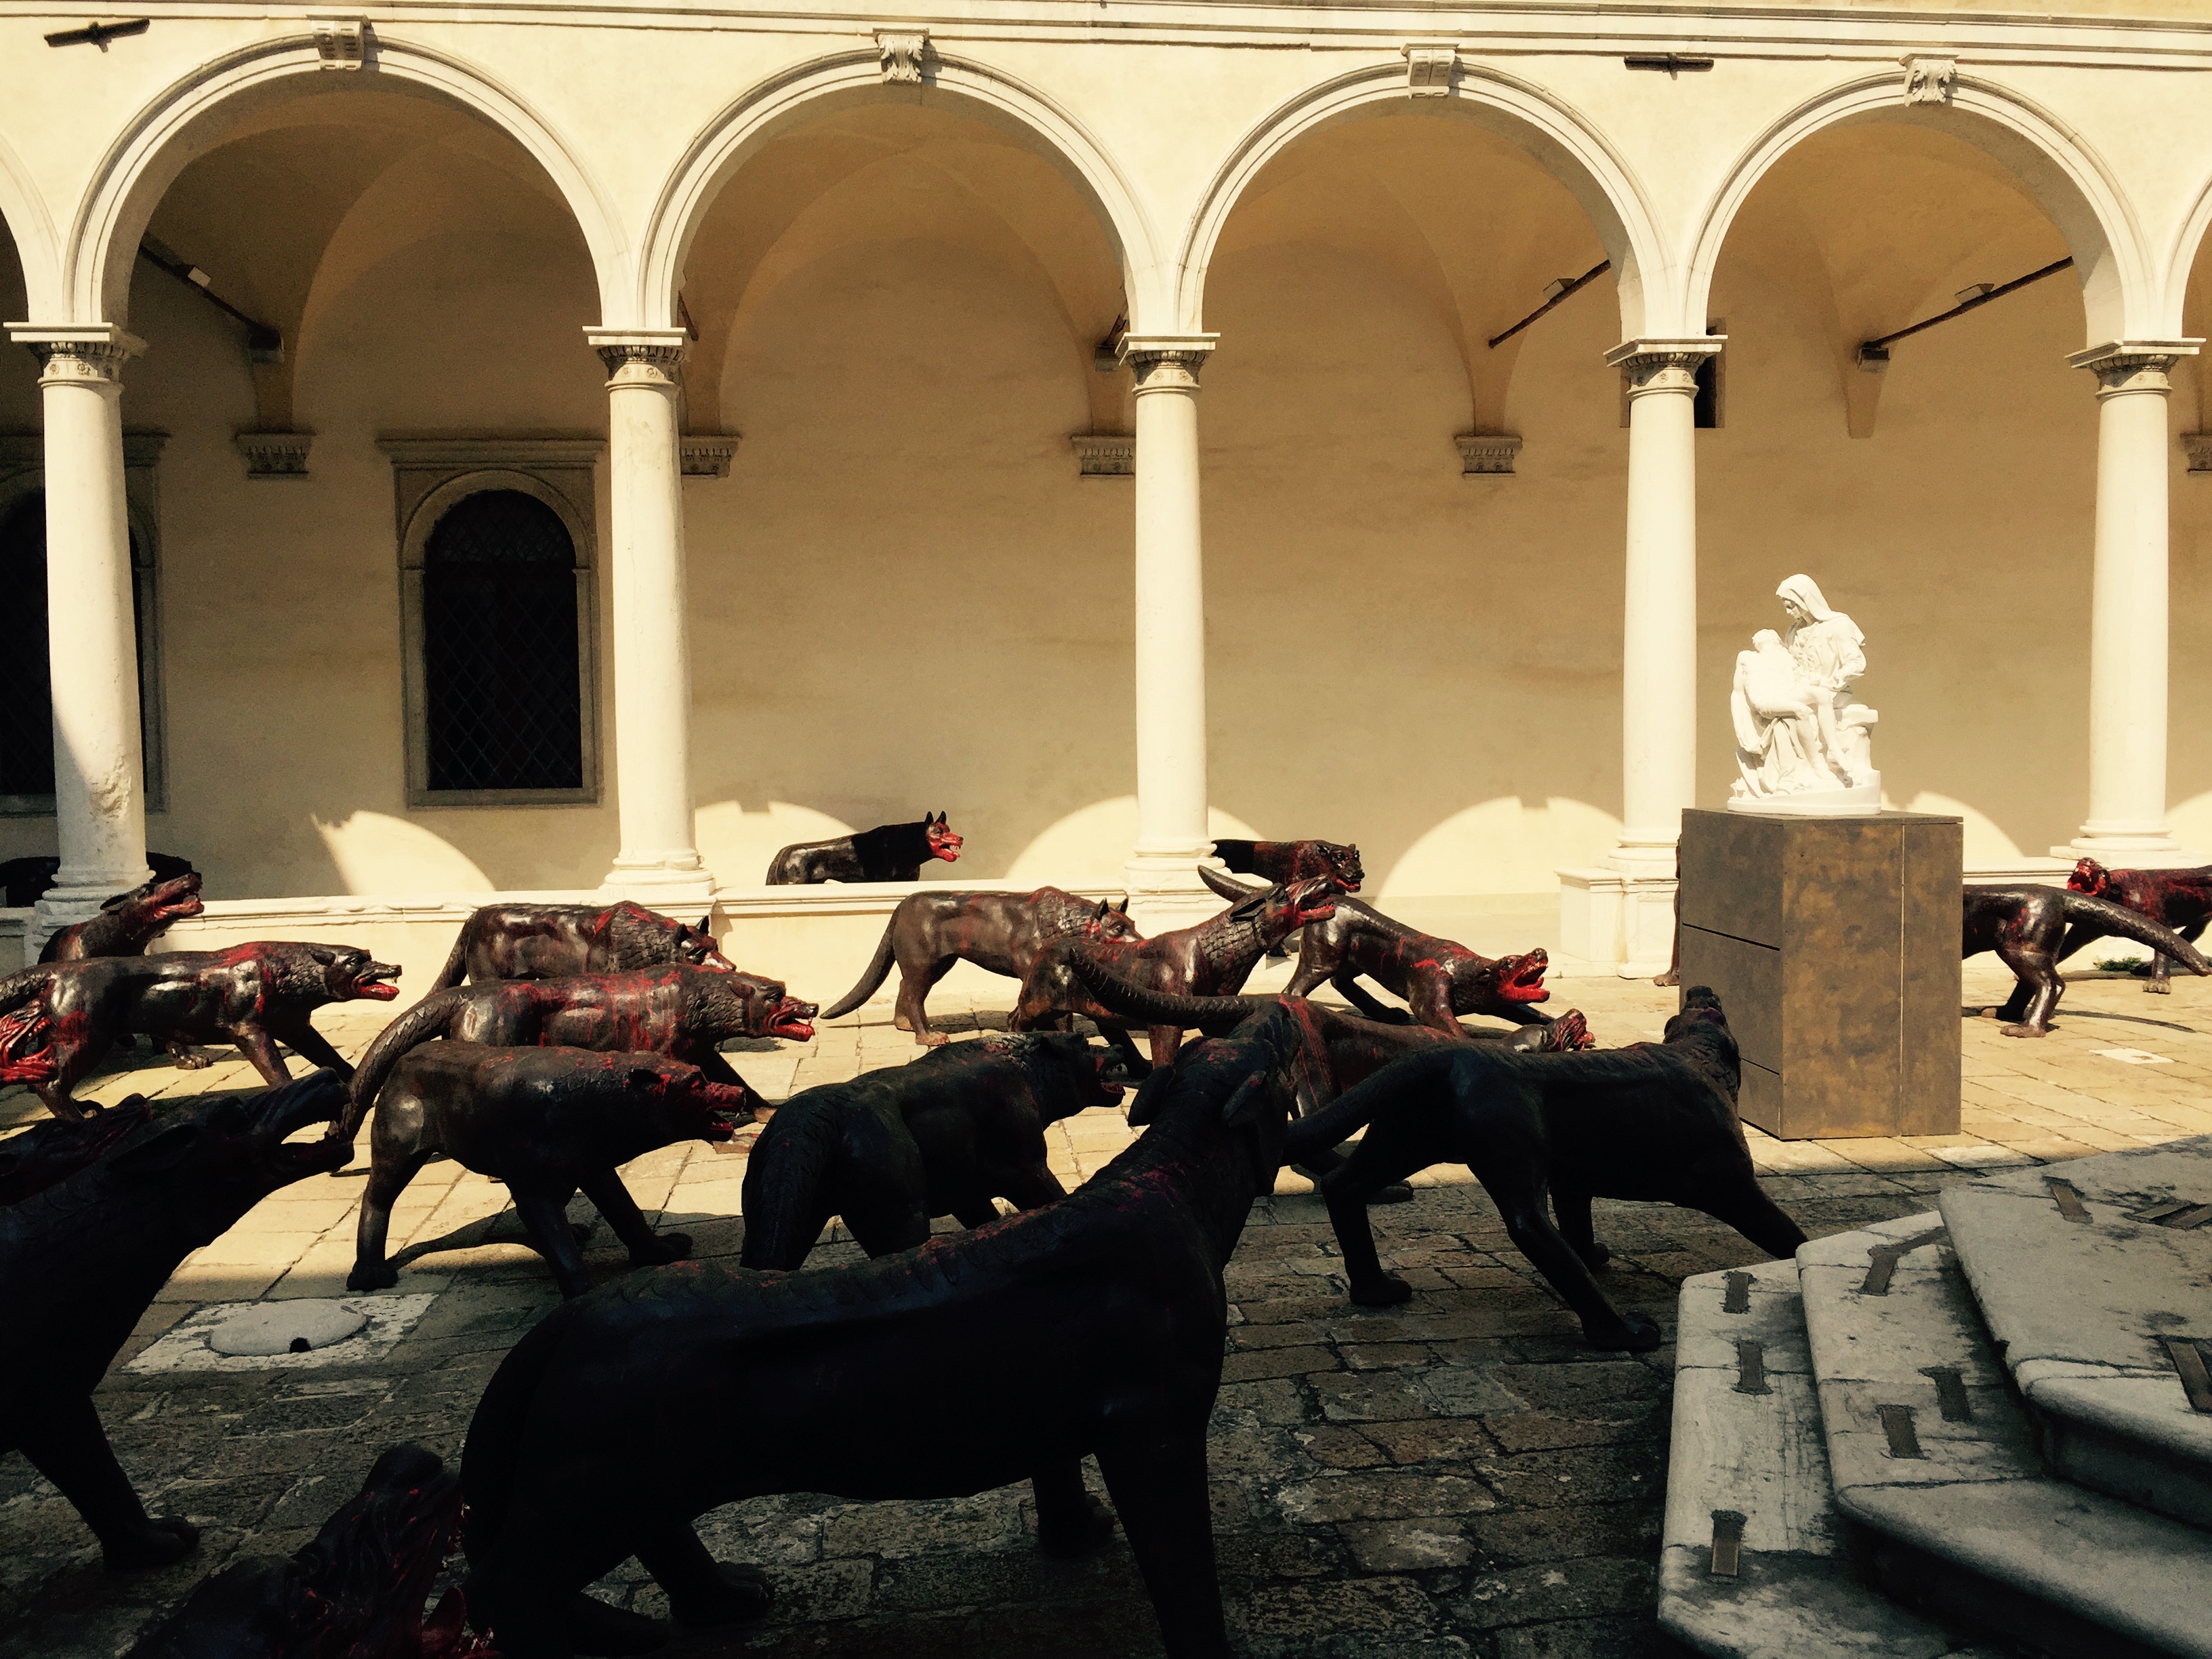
{"points": [[823, 84], [2181, 261], [23, 211], [1597, 175], [2053, 162], [191, 116]]}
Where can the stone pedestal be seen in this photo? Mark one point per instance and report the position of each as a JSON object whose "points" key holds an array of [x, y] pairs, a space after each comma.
{"points": [[1833, 942]]}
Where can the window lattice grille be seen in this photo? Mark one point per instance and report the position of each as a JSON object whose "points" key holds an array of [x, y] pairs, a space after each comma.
{"points": [[26, 709], [499, 647]]}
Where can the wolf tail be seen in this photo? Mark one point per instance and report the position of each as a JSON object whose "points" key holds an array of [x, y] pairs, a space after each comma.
{"points": [[428, 1019], [2109, 917], [880, 969], [1409, 1077], [783, 1182], [17, 990], [457, 964]]}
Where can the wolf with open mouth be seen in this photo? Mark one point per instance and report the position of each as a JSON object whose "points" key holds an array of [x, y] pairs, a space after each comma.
{"points": [[1439, 978], [254, 996], [547, 1122], [681, 1012]]}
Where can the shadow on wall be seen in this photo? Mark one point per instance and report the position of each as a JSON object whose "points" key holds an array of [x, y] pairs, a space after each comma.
{"points": [[1503, 845]]}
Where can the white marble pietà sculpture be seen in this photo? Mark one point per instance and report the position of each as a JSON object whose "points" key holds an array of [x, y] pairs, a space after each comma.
{"points": [[1801, 744]]}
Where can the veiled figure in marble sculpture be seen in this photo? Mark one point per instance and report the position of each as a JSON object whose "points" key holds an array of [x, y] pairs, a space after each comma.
{"points": [[1801, 744]]}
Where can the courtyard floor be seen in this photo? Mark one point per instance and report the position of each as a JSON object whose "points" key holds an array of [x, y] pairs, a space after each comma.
{"points": [[1457, 1477]]}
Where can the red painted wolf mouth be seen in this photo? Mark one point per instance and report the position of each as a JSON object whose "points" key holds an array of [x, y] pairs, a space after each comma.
{"points": [[374, 982], [1520, 979], [792, 1020]]}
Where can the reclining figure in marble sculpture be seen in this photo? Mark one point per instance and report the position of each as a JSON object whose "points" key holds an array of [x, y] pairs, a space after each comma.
{"points": [[1094, 1325], [1654, 1122], [1798, 735], [255, 996], [1002, 932], [548, 941], [2028, 926], [356, 1590], [889, 852], [2180, 899], [1212, 959], [682, 1012], [945, 1135], [547, 1121], [81, 1262], [1439, 979]]}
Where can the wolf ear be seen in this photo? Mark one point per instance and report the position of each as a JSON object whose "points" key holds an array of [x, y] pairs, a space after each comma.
{"points": [[644, 1079], [1146, 1104], [1246, 1105], [706, 921], [1122, 908]]}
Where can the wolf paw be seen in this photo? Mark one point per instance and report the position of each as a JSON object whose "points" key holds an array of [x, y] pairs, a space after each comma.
{"points": [[373, 1276], [1092, 1529], [1384, 1291], [1636, 1333], [1396, 1192], [741, 1594], [664, 1249], [154, 1543]]}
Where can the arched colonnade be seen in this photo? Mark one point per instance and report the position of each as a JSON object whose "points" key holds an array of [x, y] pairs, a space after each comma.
{"points": [[77, 284]]}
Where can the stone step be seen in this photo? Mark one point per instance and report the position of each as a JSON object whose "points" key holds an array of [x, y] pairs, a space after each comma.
{"points": [[2089, 1297], [1747, 1449], [1930, 1452]]}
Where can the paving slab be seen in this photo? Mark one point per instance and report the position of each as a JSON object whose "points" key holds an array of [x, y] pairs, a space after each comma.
{"points": [[1929, 1448], [2086, 1284]]}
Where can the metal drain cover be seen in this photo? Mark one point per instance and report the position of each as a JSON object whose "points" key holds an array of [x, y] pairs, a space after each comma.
{"points": [[288, 1326]]}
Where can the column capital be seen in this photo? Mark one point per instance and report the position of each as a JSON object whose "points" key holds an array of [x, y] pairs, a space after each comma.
{"points": [[640, 356], [1166, 362], [90, 354], [2132, 365], [1647, 358]]}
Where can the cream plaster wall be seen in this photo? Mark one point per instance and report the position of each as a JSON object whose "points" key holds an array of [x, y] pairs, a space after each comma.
{"points": [[904, 598]]}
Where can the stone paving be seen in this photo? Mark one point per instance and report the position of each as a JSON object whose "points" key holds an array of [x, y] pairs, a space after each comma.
{"points": [[1456, 1477]]}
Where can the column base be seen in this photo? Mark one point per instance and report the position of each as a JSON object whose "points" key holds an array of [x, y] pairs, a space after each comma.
{"points": [[2138, 851], [1165, 893], [661, 885], [1616, 918]]}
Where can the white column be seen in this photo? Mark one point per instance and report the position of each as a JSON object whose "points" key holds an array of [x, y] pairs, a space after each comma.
{"points": [[2128, 605], [659, 863], [1659, 638], [1171, 793], [100, 789]]}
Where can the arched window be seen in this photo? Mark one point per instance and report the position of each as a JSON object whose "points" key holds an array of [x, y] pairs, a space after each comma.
{"points": [[26, 709], [500, 658]]}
